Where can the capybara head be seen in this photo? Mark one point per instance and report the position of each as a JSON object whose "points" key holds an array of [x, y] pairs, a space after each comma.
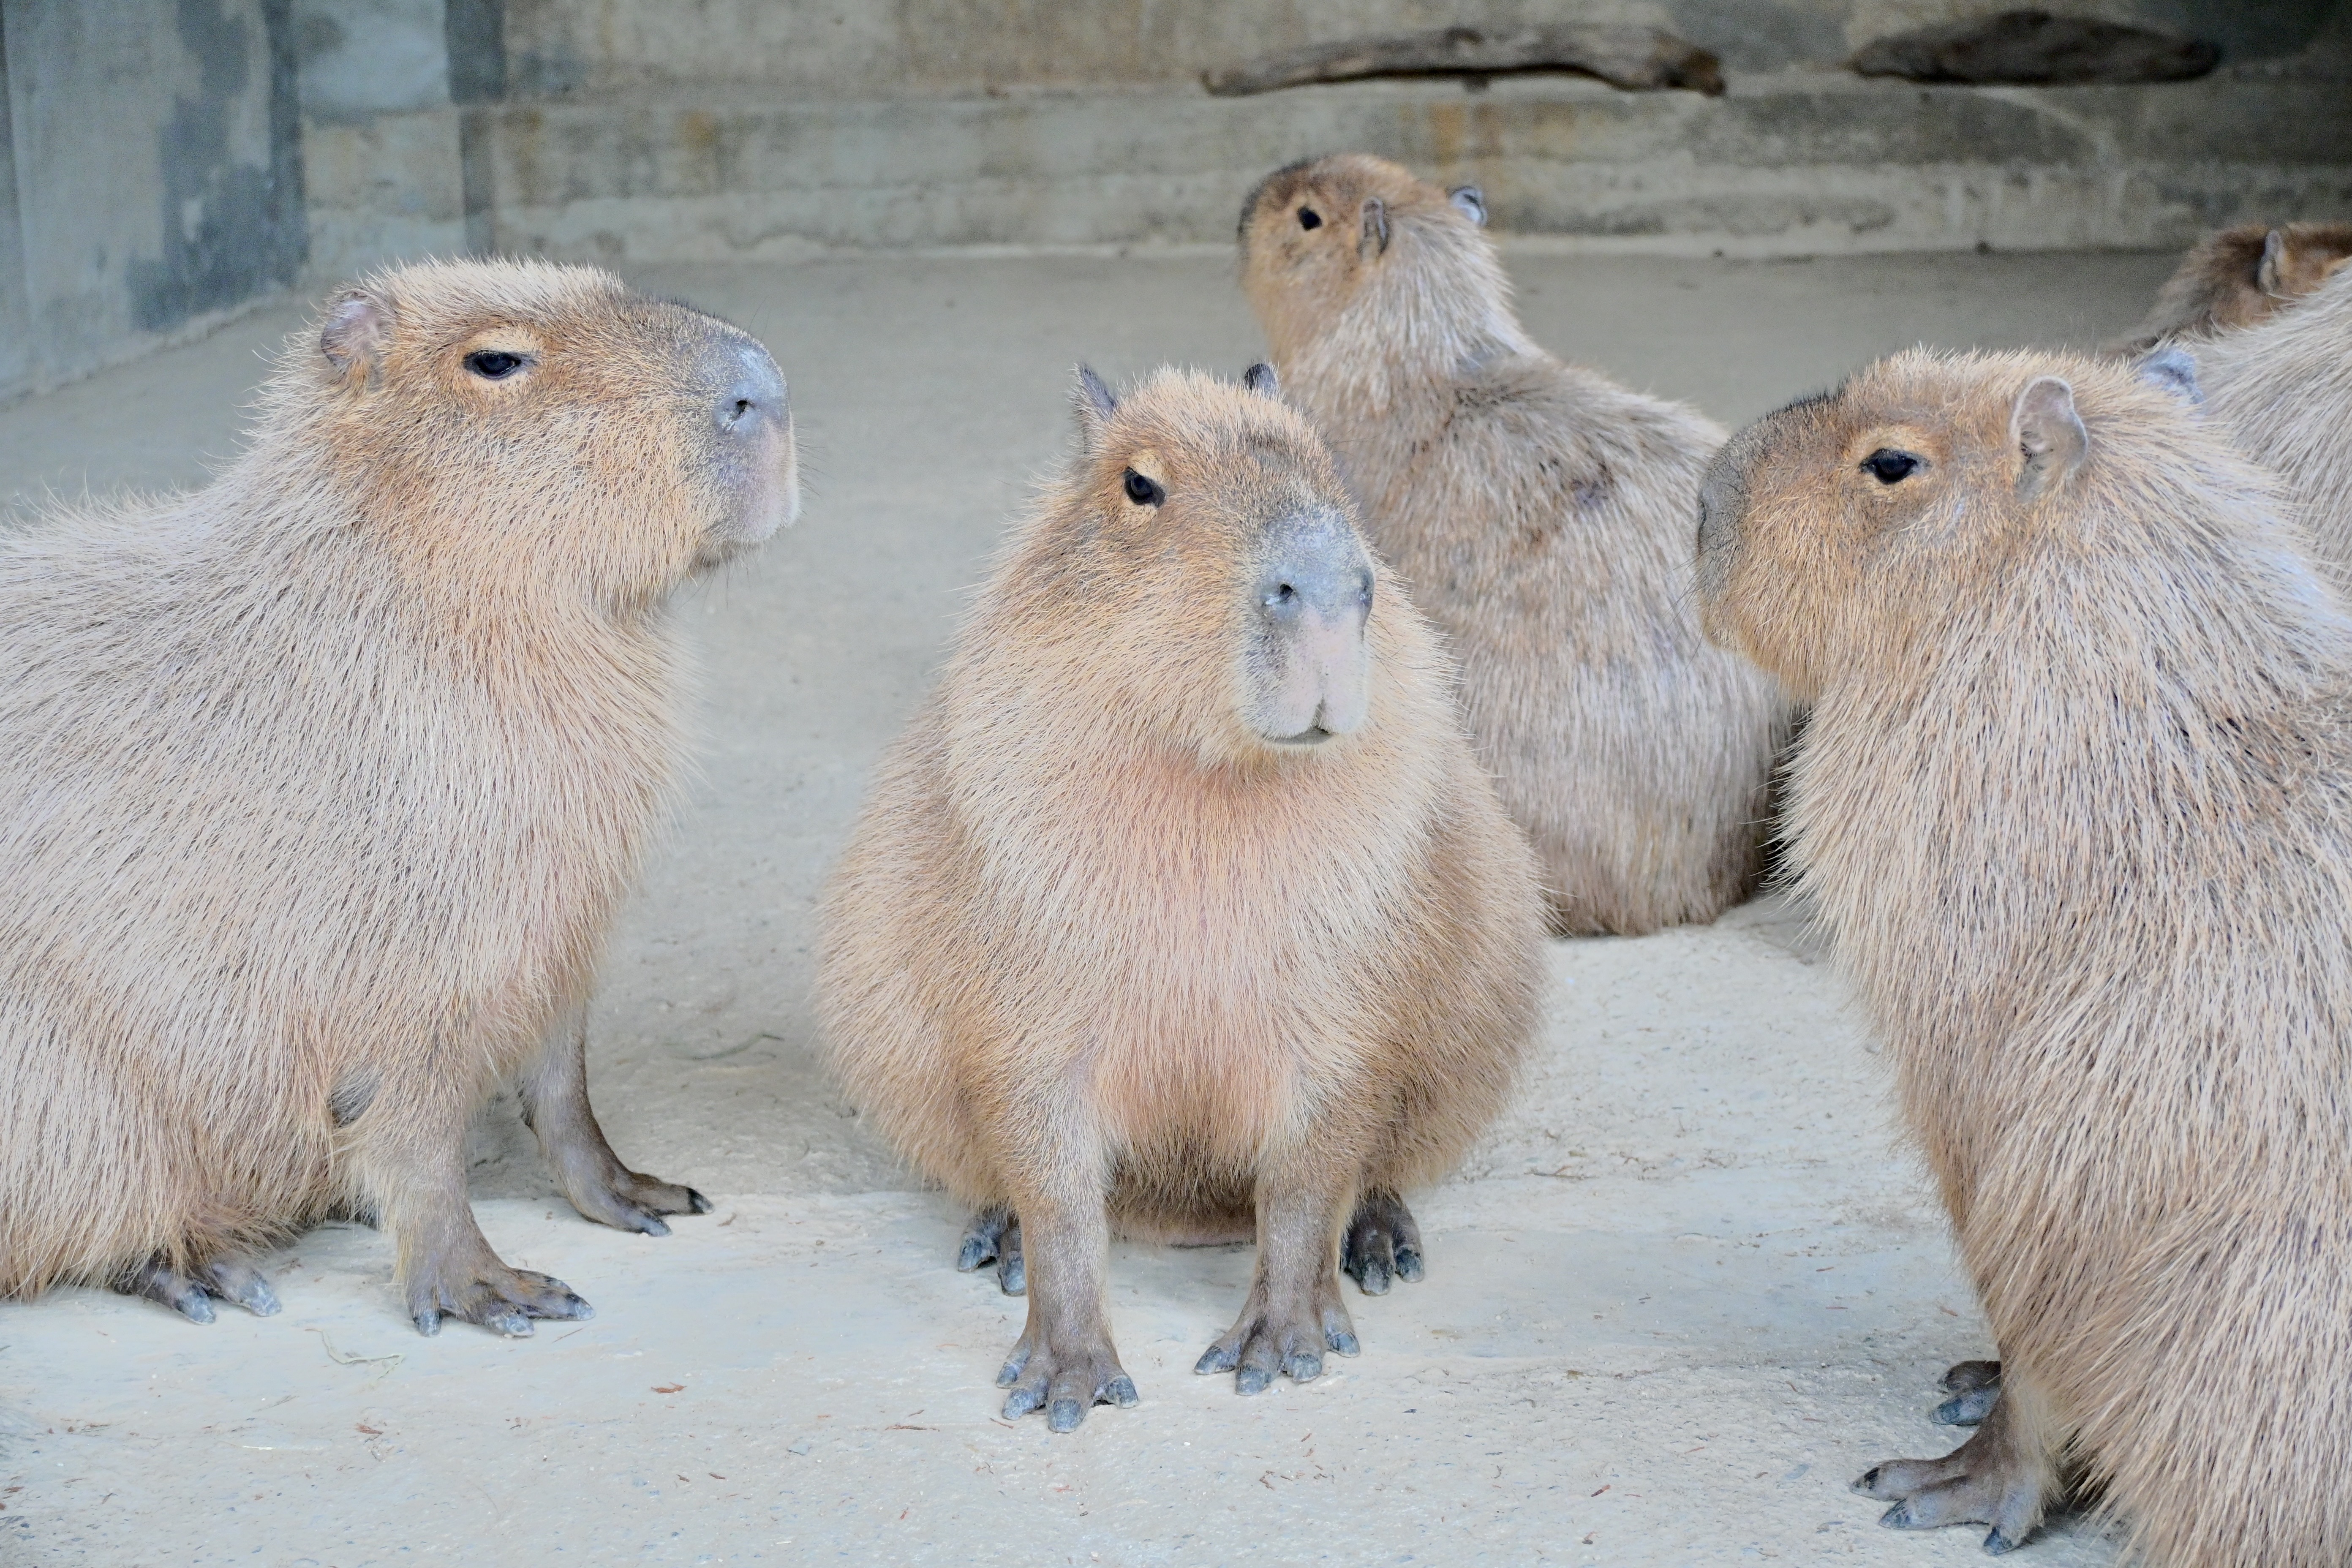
{"points": [[533, 426], [1832, 533], [2235, 278], [1205, 546], [1326, 237]]}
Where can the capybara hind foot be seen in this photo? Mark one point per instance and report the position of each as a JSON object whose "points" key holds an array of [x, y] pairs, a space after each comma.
{"points": [[1975, 1386], [555, 1103], [191, 1295], [1265, 1341], [487, 1292], [1065, 1374], [1986, 1480], [628, 1200], [1381, 1241], [994, 1236]]}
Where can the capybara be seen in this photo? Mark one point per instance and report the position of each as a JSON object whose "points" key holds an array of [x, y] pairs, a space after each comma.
{"points": [[1183, 908], [2076, 802], [2236, 278], [318, 787], [1541, 516], [2282, 390]]}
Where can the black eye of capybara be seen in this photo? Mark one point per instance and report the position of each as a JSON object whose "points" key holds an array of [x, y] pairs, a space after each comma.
{"points": [[1309, 218], [493, 364], [1143, 491], [1889, 467]]}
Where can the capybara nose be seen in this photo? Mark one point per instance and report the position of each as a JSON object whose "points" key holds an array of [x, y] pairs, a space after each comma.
{"points": [[756, 397], [754, 456], [1314, 595]]}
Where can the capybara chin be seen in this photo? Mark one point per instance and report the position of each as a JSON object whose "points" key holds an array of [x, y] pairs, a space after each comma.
{"points": [[2283, 391], [1541, 516], [2236, 278], [2076, 802], [1183, 908], [318, 787]]}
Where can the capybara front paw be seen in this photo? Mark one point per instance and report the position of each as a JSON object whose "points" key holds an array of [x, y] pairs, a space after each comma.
{"points": [[191, 1295], [627, 1200], [994, 1236], [500, 1299], [1975, 1388], [1266, 1343], [1065, 1382], [1981, 1482], [1382, 1243]]}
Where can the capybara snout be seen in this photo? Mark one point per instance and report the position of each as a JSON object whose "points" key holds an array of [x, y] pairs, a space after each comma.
{"points": [[754, 456], [1309, 679]]}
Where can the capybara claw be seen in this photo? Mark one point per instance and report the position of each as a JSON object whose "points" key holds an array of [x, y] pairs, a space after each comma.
{"points": [[191, 1295], [695, 1203], [1962, 1377], [1065, 1386], [1996, 1544], [1967, 1409], [504, 1302], [994, 1236], [1381, 1243], [1218, 1357]]}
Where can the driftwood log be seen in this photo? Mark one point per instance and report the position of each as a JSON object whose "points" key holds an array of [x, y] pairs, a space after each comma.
{"points": [[1636, 59], [2033, 49]]}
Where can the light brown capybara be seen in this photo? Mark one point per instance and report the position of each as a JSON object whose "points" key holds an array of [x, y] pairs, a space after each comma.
{"points": [[2076, 802], [2282, 390], [1183, 908], [1541, 516], [2236, 278], [318, 787]]}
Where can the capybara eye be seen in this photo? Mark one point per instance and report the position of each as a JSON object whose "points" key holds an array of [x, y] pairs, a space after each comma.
{"points": [[1143, 491], [1889, 467], [493, 364], [1309, 218]]}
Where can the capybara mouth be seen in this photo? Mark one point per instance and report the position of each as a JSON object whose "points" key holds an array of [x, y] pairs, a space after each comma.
{"points": [[1313, 735]]}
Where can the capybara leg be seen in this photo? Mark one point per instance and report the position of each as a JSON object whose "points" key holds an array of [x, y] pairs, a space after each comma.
{"points": [[1974, 1386], [2002, 1476], [413, 1169], [1064, 1362], [555, 1102], [1294, 1312], [191, 1295], [994, 1236], [1382, 1242]]}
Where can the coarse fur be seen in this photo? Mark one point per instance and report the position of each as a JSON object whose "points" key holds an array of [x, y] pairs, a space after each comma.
{"points": [[2076, 802], [321, 785], [1543, 516], [2236, 278], [2282, 390], [1103, 952]]}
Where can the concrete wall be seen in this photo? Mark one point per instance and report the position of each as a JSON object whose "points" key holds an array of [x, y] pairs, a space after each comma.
{"points": [[824, 49], [153, 174], [164, 162]]}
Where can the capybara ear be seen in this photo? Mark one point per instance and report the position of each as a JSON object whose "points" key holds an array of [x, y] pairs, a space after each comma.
{"points": [[2047, 432], [2269, 272], [1375, 238], [2175, 372], [1260, 378], [1095, 405], [358, 325], [1472, 201]]}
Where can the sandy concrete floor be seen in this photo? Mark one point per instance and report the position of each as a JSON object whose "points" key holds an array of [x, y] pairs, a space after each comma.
{"points": [[1684, 1292]]}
